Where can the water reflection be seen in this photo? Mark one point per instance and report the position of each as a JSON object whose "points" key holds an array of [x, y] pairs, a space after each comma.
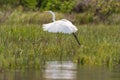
{"points": [[65, 70]]}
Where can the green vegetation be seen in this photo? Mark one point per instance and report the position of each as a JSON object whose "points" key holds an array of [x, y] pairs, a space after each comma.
{"points": [[84, 11], [24, 44]]}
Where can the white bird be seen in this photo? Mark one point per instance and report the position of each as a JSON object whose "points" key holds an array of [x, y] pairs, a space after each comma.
{"points": [[60, 26]]}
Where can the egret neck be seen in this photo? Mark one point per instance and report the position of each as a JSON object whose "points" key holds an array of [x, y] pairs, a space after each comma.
{"points": [[53, 16]]}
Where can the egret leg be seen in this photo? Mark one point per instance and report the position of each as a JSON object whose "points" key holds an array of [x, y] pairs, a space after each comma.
{"points": [[76, 38]]}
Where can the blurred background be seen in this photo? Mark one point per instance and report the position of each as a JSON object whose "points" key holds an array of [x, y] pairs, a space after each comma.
{"points": [[78, 11]]}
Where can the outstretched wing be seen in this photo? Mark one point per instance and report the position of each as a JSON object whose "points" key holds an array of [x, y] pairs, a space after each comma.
{"points": [[61, 26]]}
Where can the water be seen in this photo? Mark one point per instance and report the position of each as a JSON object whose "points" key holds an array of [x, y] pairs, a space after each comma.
{"points": [[60, 70], [66, 70]]}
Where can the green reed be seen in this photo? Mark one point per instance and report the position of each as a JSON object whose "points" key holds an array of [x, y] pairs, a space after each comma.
{"points": [[28, 46]]}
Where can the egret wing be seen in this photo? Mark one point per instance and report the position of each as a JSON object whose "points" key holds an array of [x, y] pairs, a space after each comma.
{"points": [[63, 26]]}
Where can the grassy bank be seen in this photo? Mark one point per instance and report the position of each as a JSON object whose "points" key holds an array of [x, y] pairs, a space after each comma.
{"points": [[24, 43]]}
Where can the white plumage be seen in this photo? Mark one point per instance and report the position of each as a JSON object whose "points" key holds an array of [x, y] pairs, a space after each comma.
{"points": [[63, 26], [60, 26]]}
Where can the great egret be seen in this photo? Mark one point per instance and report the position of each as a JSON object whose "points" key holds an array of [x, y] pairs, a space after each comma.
{"points": [[60, 26]]}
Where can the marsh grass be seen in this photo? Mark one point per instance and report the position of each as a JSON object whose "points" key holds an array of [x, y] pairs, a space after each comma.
{"points": [[24, 44]]}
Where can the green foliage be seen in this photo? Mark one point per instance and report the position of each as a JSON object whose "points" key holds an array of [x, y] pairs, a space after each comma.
{"points": [[102, 9], [84, 18], [51, 4], [30, 4], [24, 44], [67, 6], [8, 2], [106, 8], [58, 5]]}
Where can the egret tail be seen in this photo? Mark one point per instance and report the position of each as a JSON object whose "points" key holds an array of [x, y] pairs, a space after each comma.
{"points": [[76, 38]]}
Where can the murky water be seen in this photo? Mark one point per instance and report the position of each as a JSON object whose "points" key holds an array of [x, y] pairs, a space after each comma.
{"points": [[60, 70], [65, 70]]}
